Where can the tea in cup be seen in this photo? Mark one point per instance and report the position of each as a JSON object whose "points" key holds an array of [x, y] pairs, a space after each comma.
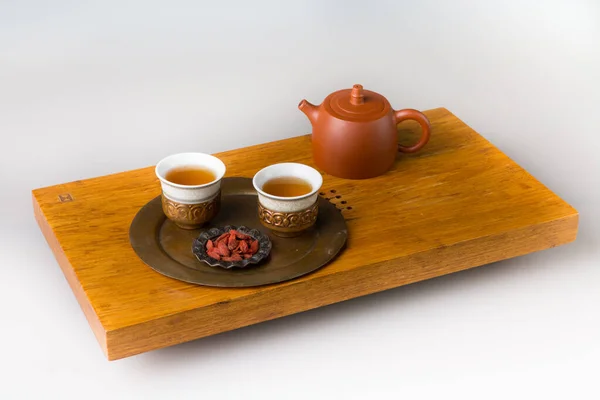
{"points": [[288, 197], [191, 188]]}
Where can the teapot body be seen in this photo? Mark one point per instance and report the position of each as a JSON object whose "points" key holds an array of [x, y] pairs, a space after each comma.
{"points": [[354, 149], [354, 133]]}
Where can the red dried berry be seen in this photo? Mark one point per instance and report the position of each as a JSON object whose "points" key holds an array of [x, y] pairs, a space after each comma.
{"points": [[213, 254], [221, 238], [223, 250], [235, 257], [243, 246], [242, 236], [232, 243]]}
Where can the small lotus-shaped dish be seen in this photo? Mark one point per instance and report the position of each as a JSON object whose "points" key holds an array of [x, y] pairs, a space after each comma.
{"points": [[199, 247]]}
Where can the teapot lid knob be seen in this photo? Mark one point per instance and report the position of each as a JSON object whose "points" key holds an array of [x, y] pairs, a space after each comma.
{"points": [[356, 95]]}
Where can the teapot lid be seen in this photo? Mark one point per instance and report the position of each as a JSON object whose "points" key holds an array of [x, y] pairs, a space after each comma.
{"points": [[356, 104]]}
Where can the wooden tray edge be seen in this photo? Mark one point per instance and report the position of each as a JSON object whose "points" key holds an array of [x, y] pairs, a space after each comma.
{"points": [[70, 275], [310, 293]]}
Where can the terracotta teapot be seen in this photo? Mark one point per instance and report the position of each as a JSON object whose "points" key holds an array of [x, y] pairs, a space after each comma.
{"points": [[354, 133]]}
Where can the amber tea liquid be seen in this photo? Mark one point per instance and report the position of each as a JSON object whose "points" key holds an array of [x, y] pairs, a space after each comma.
{"points": [[190, 175], [287, 187]]}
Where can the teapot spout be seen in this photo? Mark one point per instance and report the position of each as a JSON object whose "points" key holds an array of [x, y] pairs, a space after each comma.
{"points": [[310, 110]]}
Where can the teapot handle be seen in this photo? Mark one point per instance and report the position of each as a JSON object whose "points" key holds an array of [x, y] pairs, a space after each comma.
{"points": [[408, 113]]}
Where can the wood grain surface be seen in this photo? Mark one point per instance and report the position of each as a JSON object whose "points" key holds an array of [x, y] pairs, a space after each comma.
{"points": [[457, 204]]}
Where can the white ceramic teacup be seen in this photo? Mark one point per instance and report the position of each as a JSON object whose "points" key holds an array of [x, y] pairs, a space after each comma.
{"points": [[288, 216], [190, 206]]}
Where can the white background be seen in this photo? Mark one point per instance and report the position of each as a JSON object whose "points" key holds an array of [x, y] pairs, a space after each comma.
{"points": [[91, 88]]}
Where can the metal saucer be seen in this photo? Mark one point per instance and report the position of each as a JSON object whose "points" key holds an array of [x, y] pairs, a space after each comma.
{"points": [[167, 249]]}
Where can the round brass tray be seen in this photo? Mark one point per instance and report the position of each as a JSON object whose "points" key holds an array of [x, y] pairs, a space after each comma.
{"points": [[168, 249]]}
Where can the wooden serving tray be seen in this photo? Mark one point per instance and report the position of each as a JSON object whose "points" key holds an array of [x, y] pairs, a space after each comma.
{"points": [[457, 204]]}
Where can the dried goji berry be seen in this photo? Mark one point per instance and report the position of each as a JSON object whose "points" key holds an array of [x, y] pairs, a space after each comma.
{"points": [[235, 257], [232, 242], [213, 253], [223, 250], [221, 238], [242, 236], [243, 246]]}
